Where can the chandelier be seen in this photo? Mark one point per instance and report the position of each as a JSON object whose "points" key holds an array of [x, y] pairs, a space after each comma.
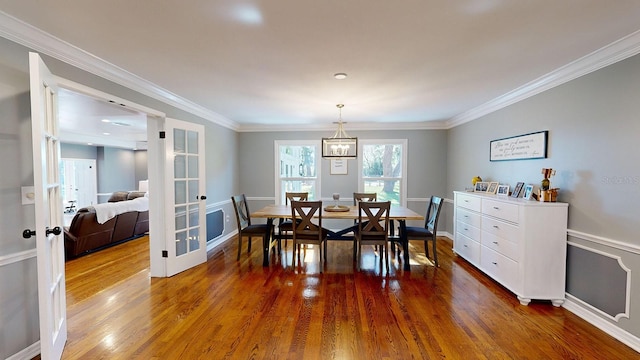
{"points": [[340, 145]]}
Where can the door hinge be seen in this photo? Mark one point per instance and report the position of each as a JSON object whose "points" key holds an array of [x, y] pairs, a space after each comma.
{"points": [[163, 134], [165, 253]]}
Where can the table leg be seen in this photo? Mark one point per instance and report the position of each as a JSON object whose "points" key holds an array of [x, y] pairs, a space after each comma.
{"points": [[266, 243], [405, 244]]}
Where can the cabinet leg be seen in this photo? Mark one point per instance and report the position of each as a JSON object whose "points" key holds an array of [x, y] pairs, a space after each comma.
{"points": [[524, 301], [558, 302]]}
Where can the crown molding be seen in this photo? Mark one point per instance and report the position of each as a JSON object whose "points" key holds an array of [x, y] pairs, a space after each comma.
{"points": [[359, 126], [617, 51], [27, 35]]}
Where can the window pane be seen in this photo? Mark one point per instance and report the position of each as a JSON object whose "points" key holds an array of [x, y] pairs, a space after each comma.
{"points": [[181, 243], [193, 166], [382, 160], [192, 142], [179, 167], [387, 190], [308, 186], [297, 161], [179, 141], [180, 192], [194, 239], [181, 217]]}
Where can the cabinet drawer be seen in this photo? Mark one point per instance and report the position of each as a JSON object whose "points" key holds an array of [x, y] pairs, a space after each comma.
{"points": [[499, 267], [468, 249], [469, 231], [501, 245], [501, 229], [468, 217], [501, 210], [468, 201]]}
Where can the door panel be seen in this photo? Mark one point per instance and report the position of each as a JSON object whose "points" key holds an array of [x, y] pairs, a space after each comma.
{"points": [[48, 210], [186, 205]]}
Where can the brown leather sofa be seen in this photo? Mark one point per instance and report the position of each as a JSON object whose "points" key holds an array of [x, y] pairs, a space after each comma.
{"points": [[86, 235]]}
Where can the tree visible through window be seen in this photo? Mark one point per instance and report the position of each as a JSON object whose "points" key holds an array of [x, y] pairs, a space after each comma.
{"points": [[299, 169], [382, 167]]}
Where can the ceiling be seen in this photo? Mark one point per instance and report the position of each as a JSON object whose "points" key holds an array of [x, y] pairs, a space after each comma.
{"points": [[270, 64]]}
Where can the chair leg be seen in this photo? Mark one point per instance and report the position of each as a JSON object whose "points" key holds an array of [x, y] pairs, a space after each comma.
{"points": [[385, 247], [435, 254], [325, 250], [239, 246]]}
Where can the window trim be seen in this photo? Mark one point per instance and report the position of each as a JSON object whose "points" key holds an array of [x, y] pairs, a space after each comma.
{"points": [[277, 163], [405, 150]]}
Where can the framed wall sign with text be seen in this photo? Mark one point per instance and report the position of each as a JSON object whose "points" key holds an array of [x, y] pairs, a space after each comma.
{"points": [[528, 146]]}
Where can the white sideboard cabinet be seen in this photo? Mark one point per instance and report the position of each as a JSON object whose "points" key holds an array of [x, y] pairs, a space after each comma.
{"points": [[522, 244]]}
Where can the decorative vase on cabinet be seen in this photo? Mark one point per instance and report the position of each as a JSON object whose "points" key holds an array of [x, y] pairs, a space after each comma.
{"points": [[521, 244]]}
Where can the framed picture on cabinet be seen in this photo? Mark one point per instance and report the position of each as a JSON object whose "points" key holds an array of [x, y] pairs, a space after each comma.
{"points": [[517, 190], [493, 187], [503, 190], [481, 186], [528, 191]]}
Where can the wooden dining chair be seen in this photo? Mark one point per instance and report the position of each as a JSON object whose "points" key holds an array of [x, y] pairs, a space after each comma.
{"points": [[245, 228], [357, 197], [430, 229], [305, 231], [285, 227], [373, 229]]}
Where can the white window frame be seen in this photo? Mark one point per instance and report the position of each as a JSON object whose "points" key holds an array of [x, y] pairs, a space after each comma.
{"points": [[278, 178], [403, 179]]}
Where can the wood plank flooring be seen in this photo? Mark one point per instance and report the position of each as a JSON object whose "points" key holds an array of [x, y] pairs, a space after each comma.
{"points": [[225, 309]]}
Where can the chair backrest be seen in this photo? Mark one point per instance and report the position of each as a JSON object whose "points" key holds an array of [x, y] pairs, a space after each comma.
{"points": [[373, 218], [242, 211], [302, 213], [357, 197], [295, 196], [433, 214]]}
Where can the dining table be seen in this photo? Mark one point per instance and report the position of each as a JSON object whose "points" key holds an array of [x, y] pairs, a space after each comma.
{"points": [[344, 212]]}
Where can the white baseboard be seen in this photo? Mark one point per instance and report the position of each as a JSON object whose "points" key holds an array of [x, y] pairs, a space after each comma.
{"points": [[28, 353], [618, 333]]}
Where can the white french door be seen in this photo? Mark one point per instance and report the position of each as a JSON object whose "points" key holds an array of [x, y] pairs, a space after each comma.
{"points": [[48, 210], [185, 195]]}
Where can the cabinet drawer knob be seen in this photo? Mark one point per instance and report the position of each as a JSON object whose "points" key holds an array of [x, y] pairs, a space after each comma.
{"points": [[496, 208], [495, 242], [496, 227], [494, 263]]}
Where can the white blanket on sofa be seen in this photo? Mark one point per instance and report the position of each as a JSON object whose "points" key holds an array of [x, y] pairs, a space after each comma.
{"points": [[107, 211]]}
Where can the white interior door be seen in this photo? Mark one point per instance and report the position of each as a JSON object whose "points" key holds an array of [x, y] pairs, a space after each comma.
{"points": [[80, 182], [185, 195], [48, 210]]}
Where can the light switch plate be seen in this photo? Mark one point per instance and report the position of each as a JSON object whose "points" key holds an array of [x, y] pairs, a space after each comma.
{"points": [[28, 195]]}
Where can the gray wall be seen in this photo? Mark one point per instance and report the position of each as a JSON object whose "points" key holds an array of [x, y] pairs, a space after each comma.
{"points": [[594, 128], [116, 170], [77, 151], [19, 328], [140, 164], [426, 174], [18, 279]]}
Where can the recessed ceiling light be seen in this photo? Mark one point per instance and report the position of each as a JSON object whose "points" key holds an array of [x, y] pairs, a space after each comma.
{"points": [[106, 121], [106, 133], [340, 76]]}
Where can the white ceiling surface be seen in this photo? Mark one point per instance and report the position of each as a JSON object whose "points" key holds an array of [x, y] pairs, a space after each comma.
{"points": [[85, 120], [270, 64]]}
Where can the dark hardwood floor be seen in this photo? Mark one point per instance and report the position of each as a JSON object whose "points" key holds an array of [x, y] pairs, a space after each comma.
{"points": [[225, 309]]}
